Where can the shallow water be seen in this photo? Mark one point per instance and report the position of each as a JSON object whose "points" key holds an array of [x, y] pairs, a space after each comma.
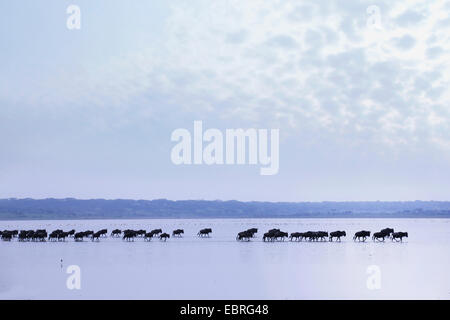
{"points": [[219, 267]]}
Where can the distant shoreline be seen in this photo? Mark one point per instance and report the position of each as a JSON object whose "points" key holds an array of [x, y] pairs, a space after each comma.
{"points": [[101, 209], [225, 218]]}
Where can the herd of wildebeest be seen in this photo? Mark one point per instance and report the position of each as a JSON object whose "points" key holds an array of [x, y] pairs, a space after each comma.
{"points": [[130, 235]]}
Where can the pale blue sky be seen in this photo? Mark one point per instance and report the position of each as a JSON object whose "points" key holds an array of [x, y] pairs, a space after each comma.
{"points": [[363, 112]]}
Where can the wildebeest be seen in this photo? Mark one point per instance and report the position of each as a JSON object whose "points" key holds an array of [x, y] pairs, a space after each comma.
{"points": [[24, 235], [164, 236], [244, 235], [58, 235], [38, 235], [7, 235], [252, 231], [280, 235], [310, 235], [97, 235], [337, 234], [148, 236], [315, 235], [71, 233], [361, 234], [388, 231], [129, 235], [275, 234], [116, 233], [88, 233], [399, 235], [177, 232], [103, 232], [296, 235], [270, 235], [267, 236], [141, 233], [204, 232], [62, 236], [379, 236], [321, 235], [155, 232], [53, 236], [78, 236]]}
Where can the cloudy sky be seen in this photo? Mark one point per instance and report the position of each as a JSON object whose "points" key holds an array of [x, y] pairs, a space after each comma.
{"points": [[359, 93]]}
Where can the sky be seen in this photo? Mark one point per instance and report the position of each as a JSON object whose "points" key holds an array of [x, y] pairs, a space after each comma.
{"points": [[358, 91]]}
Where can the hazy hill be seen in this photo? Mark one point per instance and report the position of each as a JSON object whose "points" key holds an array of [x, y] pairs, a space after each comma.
{"points": [[20, 209]]}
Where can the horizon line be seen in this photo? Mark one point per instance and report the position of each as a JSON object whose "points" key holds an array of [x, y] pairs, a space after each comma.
{"points": [[218, 200]]}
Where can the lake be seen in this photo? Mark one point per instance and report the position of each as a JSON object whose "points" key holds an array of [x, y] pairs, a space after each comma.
{"points": [[220, 267]]}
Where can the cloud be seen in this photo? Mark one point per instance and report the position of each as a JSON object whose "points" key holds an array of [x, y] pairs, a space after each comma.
{"points": [[434, 52], [282, 41], [405, 42], [320, 70], [444, 23], [236, 37], [410, 17]]}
